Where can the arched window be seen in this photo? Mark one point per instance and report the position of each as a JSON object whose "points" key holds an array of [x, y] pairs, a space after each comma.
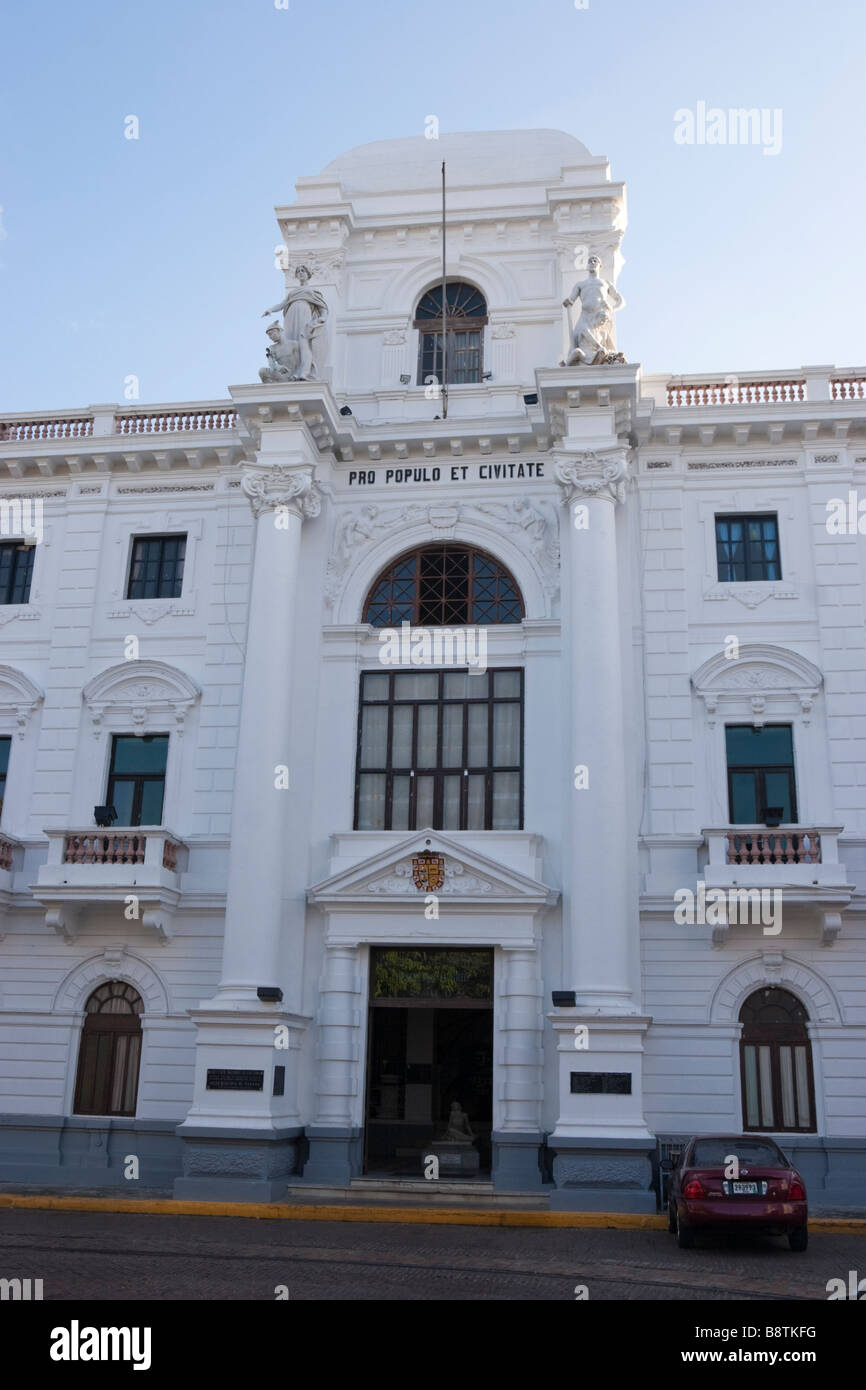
{"points": [[776, 1063], [107, 1080], [444, 586], [466, 315]]}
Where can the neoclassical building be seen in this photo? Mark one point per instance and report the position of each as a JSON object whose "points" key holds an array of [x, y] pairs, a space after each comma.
{"points": [[399, 770]]}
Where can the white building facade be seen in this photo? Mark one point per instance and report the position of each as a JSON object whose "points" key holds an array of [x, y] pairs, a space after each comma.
{"points": [[504, 747]]}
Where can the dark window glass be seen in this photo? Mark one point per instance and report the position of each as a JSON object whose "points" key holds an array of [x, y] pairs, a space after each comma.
{"points": [[760, 773], [442, 749], [16, 571], [110, 1051], [136, 780], [157, 567], [444, 586], [776, 1063], [466, 315], [747, 547], [5, 746]]}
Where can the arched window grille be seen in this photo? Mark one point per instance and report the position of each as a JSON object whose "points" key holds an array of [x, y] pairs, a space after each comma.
{"points": [[444, 586], [110, 1051], [466, 315], [776, 1063]]}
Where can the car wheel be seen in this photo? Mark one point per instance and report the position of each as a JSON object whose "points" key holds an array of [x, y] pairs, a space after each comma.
{"points": [[685, 1236], [672, 1220], [799, 1239]]}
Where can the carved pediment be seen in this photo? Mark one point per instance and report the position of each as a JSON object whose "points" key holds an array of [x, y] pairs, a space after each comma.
{"points": [[392, 876], [141, 692], [758, 677]]}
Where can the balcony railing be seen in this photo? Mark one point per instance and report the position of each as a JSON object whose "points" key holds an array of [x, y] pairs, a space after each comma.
{"points": [[22, 431], [175, 421], [773, 847], [735, 392], [7, 851], [116, 847]]}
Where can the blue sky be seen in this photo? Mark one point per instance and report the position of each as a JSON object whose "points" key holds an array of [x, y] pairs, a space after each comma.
{"points": [[154, 257]]}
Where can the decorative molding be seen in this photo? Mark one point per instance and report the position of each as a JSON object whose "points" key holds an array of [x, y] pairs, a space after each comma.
{"points": [[705, 465], [786, 972], [150, 613], [749, 595], [761, 674], [170, 487], [401, 882], [143, 692], [592, 474], [18, 694], [395, 337], [503, 330], [9, 613], [115, 963], [279, 486]]}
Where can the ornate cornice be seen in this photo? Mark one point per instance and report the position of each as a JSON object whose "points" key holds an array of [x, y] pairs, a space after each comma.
{"points": [[592, 474], [277, 486]]}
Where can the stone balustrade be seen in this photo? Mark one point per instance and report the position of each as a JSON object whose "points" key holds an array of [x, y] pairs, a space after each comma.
{"points": [[773, 847]]}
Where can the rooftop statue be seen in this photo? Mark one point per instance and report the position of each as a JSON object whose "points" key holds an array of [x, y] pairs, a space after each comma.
{"points": [[592, 341], [305, 314]]}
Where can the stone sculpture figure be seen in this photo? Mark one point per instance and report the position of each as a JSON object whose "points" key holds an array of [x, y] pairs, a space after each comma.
{"points": [[283, 358], [305, 314], [459, 1131], [592, 342]]}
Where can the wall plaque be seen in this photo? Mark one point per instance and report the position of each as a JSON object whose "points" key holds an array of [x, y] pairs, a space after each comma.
{"points": [[225, 1079], [601, 1083]]}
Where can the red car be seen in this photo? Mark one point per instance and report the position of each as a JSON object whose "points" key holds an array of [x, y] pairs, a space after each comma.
{"points": [[734, 1182]]}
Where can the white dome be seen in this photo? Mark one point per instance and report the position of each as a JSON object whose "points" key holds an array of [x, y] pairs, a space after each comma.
{"points": [[473, 158]]}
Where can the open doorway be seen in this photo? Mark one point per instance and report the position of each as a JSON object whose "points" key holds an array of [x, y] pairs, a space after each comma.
{"points": [[430, 1043]]}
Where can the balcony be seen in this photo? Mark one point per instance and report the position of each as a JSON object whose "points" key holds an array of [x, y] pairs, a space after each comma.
{"points": [[801, 861], [11, 857], [137, 867]]}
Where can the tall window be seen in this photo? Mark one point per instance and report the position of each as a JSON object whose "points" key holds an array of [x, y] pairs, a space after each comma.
{"points": [[444, 586], [156, 570], [107, 1079], [5, 746], [776, 1063], [466, 315], [16, 571], [442, 749], [761, 774], [136, 779], [747, 547]]}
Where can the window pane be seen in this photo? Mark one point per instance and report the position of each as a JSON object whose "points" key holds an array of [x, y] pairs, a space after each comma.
{"points": [[151, 802], [118, 1072], [506, 800], [804, 1116], [451, 803], [765, 1072], [120, 797], [750, 1067], [5, 745], [374, 735], [506, 683], [131, 1088], [375, 687], [400, 803], [777, 787], [477, 752], [771, 746], [428, 722], [371, 801], [452, 735], [424, 787], [786, 1074], [145, 754], [401, 736], [744, 807], [506, 735], [475, 808], [416, 687]]}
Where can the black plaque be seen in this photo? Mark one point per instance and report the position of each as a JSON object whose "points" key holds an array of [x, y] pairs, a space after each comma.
{"points": [[279, 1081], [224, 1079], [601, 1083]]}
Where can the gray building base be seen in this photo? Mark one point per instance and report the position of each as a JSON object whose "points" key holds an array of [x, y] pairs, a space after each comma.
{"points": [[88, 1151], [517, 1161], [603, 1175], [334, 1156], [236, 1165]]}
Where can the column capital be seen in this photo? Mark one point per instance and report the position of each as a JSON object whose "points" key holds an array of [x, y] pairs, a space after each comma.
{"points": [[279, 486], [599, 473]]}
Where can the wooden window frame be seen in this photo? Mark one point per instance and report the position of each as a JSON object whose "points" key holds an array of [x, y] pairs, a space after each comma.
{"points": [[760, 770], [439, 773], [139, 778], [176, 586], [775, 1036], [23, 558], [467, 618], [751, 575], [113, 1026]]}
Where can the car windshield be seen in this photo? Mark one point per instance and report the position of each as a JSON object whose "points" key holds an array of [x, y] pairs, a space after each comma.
{"points": [[714, 1153]]}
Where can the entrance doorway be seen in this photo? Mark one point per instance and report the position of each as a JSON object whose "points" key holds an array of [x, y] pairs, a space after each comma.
{"points": [[430, 1043]]}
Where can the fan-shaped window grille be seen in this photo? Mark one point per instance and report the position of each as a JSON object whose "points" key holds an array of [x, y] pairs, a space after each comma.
{"points": [[466, 315], [110, 1052], [444, 586]]}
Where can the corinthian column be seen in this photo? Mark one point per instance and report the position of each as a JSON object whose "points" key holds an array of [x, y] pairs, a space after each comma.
{"points": [[601, 919], [281, 498]]}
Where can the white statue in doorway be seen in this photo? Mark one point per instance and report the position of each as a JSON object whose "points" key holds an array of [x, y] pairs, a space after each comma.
{"points": [[459, 1131]]}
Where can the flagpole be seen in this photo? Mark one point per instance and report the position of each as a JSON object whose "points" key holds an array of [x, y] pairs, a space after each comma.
{"points": [[444, 307]]}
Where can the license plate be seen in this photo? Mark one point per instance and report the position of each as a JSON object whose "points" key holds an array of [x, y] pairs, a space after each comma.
{"points": [[745, 1189]]}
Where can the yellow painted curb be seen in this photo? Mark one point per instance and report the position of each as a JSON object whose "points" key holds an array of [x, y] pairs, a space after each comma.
{"points": [[432, 1216]]}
